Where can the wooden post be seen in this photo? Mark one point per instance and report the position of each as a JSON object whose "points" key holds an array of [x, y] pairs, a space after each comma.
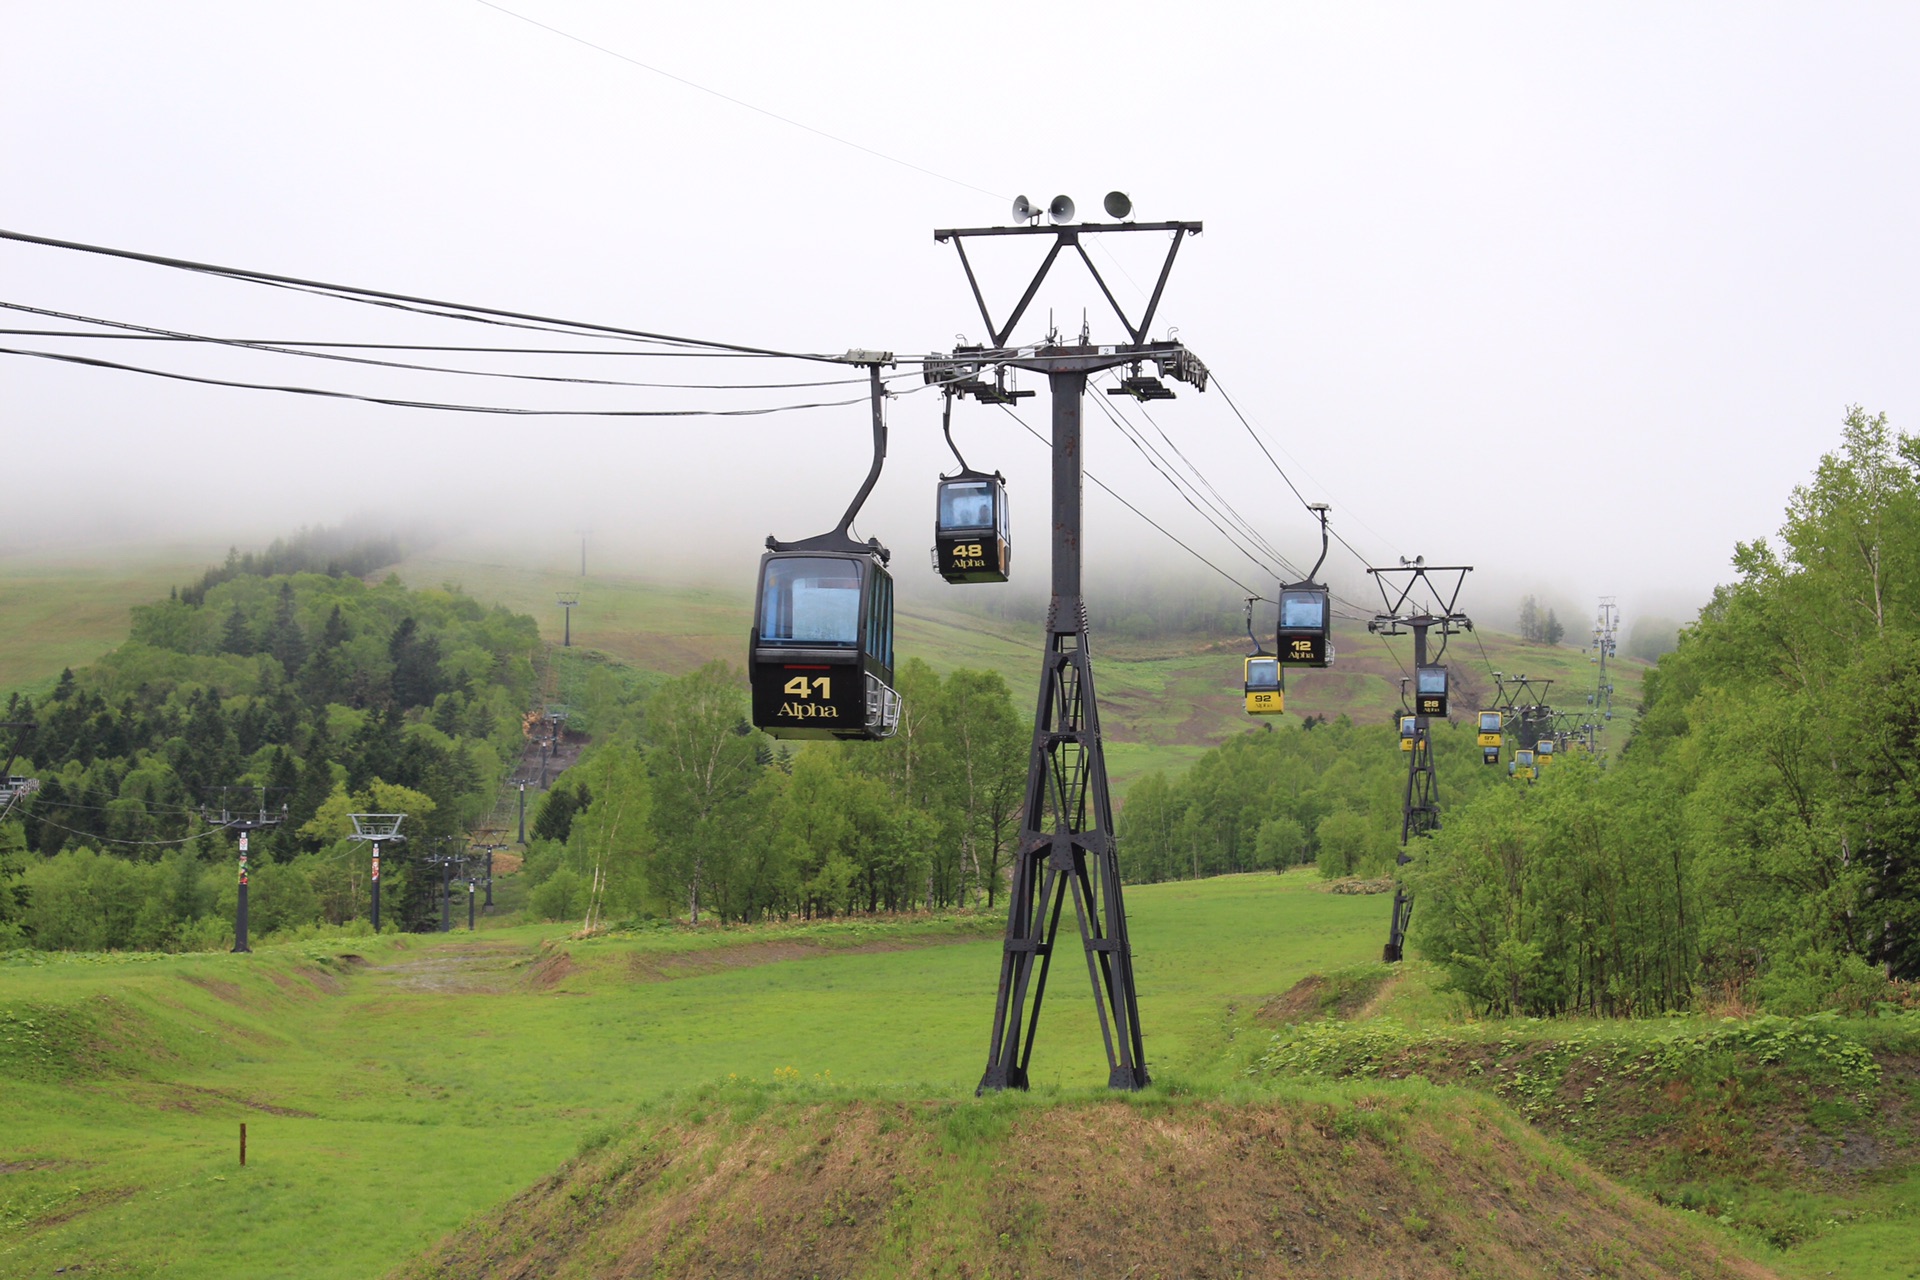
{"points": [[243, 1144]]}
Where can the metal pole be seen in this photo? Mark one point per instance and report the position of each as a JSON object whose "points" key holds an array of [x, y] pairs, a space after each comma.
{"points": [[240, 910], [446, 895], [376, 886], [490, 875], [567, 641], [470, 904], [523, 815], [1066, 843], [1418, 813]]}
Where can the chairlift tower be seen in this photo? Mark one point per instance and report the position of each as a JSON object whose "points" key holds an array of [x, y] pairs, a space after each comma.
{"points": [[1415, 601], [489, 845], [555, 716], [570, 600], [246, 824], [1604, 646], [452, 866], [1066, 842], [16, 787], [377, 829]]}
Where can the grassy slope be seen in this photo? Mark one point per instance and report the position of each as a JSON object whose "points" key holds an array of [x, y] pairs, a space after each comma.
{"points": [[1161, 702], [389, 1102], [65, 608], [451, 1072]]}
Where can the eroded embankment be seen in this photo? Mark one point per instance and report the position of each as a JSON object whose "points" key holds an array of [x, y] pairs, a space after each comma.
{"points": [[755, 1182]]}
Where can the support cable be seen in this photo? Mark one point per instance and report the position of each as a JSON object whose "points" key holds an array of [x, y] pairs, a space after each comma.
{"points": [[95, 362], [1167, 475], [1219, 501], [1137, 511], [409, 302], [288, 349]]}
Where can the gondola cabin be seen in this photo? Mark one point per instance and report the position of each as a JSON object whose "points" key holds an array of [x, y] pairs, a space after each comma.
{"points": [[1430, 690], [821, 657], [1489, 755], [1543, 752], [1305, 638], [1490, 730], [1409, 730], [1265, 697], [1522, 764], [970, 529]]}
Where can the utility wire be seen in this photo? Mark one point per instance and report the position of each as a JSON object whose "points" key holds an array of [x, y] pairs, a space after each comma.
{"points": [[26, 811]]}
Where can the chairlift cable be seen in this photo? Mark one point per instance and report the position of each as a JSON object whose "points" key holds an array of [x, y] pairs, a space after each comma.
{"points": [[1133, 439], [150, 332], [1239, 521], [393, 402], [408, 302], [1137, 511]]}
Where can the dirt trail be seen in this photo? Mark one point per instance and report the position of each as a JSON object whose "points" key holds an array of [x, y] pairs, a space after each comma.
{"points": [[465, 968]]}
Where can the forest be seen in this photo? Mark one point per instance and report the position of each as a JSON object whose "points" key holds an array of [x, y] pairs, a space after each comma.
{"points": [[308, 695], [1752, 844], [680, 809]]}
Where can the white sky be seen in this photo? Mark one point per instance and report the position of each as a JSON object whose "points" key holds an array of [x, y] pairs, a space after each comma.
{"points": [[1575, 294]]}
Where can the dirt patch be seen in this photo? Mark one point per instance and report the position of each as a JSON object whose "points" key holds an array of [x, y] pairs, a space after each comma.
{"points": [[29, 1166], [1344, 996], [198, 1099], [665, 967], [551, 970], [307, 983], [80, 1206], [1354, 884], [227, 991], [1375, 1187], [471, 969]]}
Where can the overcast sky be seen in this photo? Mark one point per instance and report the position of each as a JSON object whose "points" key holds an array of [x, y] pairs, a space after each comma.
{"points": [[1572, 294]]}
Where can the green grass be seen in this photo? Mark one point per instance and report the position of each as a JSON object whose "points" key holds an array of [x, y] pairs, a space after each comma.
{"points": [[433, 1093], [66, 607], [389, 1102]]}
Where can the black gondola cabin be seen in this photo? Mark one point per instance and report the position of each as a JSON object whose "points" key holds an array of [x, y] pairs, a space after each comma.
{"points": [[821, 656], [1430, 690], [970, 529], [1264, 694], [1304, 636]]}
